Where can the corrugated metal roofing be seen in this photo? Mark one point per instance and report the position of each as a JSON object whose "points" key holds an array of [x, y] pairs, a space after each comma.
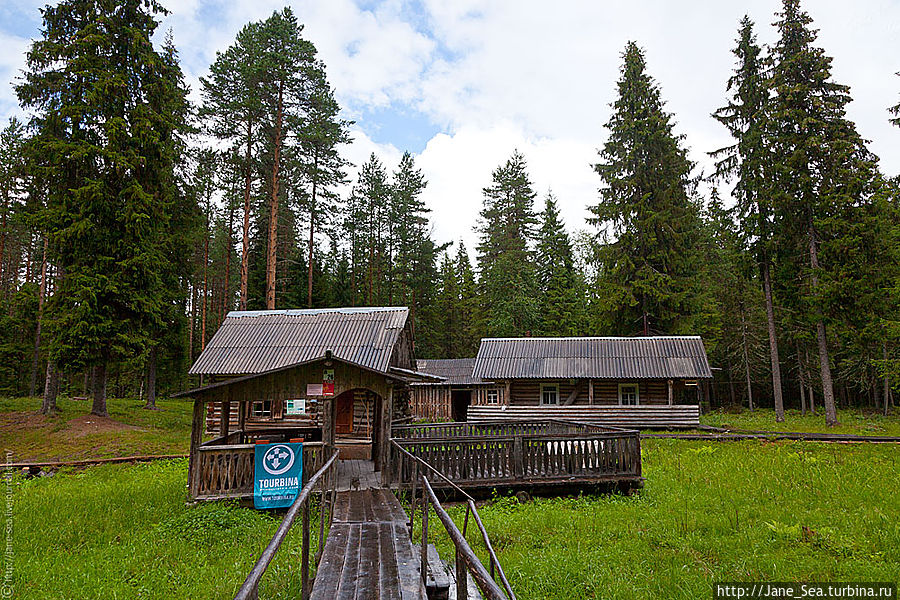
{"points": [[251, 342], [669, 357], [456, 371]]}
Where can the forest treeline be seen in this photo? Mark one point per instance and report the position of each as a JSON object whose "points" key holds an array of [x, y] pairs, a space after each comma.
{"points": [[133, 221]]}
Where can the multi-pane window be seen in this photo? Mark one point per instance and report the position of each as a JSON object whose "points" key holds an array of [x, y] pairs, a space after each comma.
{"points": [[261, 408], [549, 394], [628, 394], [493, 396]]}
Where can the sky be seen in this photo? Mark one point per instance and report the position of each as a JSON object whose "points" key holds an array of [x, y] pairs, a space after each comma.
{"points": [[462, 84]]}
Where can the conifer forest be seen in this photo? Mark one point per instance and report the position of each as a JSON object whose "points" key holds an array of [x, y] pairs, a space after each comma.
{"points": [[135, 215]]}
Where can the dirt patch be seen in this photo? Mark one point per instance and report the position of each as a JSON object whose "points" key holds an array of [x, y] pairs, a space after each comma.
{"points": [[22, 420], [91, 424]]}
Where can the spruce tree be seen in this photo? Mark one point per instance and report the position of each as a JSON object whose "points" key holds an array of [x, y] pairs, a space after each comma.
{"points": [[649, 268], [559, 282], [748, 160], [822, 169], [104, 123], [507, 278]]}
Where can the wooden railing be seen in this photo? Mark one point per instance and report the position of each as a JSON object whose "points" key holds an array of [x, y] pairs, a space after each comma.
{"points": [[493, 429], [226, 470], [420, 490], [527, 459], [323, 481]]}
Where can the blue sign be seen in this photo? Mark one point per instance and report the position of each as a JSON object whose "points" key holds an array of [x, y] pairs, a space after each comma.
{"points": [[277, 474]]}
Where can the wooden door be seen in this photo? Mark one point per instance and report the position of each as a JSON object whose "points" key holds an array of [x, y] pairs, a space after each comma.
{"points": [[343, 423]]}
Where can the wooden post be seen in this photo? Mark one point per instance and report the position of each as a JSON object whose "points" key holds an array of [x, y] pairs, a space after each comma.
{"points": [[423, 551], [196, 436], [304, 556], [242, 419], [225, 423], [462, 580], [518, 457], [671, 392], [507, 393], [590, 391], [387, 414], [326, 413]]}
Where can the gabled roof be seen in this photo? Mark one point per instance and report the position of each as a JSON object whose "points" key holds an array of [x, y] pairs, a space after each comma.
{"points": [[455, 371], [250, 342], [669, 357]]}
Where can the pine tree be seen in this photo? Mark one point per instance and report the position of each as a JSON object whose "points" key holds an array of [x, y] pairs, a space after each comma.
{"points": [[105, 125], [558, 280], [749, 160], [895, 110], [649, 270], [507, 278]]}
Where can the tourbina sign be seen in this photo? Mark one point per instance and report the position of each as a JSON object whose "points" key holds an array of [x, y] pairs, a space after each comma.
{"points": [[277, 473]]}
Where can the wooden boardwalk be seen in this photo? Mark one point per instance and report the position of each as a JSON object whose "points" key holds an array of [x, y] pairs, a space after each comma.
{"points": [[357, 475], [368, 553]]}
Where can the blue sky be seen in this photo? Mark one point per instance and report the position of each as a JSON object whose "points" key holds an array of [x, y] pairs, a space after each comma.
{"points": [[462, 84]]}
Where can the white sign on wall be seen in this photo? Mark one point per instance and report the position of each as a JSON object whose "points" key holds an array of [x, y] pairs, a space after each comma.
{"points": [[295, 406], [313, 389]]}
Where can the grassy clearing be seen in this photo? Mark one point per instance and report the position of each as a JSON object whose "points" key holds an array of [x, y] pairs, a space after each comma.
{"points": [[74, 434], [121, 531], [749, 510], [851, 421]]}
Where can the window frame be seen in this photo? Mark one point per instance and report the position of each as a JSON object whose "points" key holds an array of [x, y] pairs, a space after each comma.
{"points": [[263, 410], [495, 393], [547, 387], [637, 394]]}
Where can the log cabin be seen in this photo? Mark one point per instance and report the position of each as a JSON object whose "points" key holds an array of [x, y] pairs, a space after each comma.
{"points": [[627, 382], [450, 398], [327, 377]]}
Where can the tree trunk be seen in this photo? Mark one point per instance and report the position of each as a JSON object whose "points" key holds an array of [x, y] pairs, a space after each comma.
{"points": [[36, 357], [245, 244], [731, 393], [151, 380], [802, 379], [746, 358], [193, 321], [773, 343], [205, 283], [312, 225], [99, 407], [821, 337], [887, 381], [229, 246], [272, 254], [51, 389]]}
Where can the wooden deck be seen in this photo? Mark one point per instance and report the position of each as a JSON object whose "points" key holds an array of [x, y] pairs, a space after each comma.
{"points": [[369, 553], [357, 475]]}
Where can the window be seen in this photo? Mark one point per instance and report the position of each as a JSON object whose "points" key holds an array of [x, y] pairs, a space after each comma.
{"points": [[549, 394], [261, 409], [493, 396], [628, 394]]}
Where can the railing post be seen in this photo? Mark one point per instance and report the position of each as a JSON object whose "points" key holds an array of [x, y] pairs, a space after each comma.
{"points": [[462, 579], [518, 457], [304, 560], [423, 551]]}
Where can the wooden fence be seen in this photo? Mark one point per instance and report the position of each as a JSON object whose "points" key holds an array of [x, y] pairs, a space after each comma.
{"points": [[520, 453], [644, 416], [226, 470]]}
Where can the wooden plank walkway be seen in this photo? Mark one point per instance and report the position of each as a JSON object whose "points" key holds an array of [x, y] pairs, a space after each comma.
{"points": [[368, 552], [357, 475]]}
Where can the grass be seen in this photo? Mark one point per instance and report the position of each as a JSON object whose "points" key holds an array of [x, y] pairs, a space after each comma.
{"points": [[735, 511], [850, 421], [125, 531], [73, 434]]}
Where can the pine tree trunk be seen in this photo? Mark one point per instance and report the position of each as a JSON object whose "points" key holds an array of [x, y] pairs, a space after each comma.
{"points": [[272, 254], [151, 380], [821, 337], [731, 392], [773, 343], [99, 406], [226, 290], [193, 323], [51, 389], [205, 284], [245, 244], [3, 231], [746, 358], [35, 359], [312, 225], [887, 381], [802, 379]]}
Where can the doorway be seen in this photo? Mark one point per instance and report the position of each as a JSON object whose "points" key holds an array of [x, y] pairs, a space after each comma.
{"points": [[343, 418], [459, 404]]}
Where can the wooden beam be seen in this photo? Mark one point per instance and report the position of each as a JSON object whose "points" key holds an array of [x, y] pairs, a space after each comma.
{"points": [[671, 392], [225, 425], [197, 424], [574, 394], [590, 391]]}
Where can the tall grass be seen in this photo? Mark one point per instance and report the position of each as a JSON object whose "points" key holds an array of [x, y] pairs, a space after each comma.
{"points": [[709, 512], [121, 531]]}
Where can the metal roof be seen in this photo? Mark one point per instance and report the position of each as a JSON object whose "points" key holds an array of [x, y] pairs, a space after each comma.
{"points": [[668, 357], [456, 371], [251, 342]]}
